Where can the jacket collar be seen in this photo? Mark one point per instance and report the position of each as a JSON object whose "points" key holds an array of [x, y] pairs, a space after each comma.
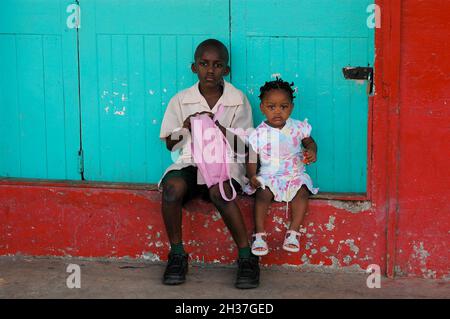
{"points": [[230, 97]]}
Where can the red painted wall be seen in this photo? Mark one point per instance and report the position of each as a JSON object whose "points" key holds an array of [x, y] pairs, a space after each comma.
{"points": [[59, 220], [424, 175], [402, 224]]}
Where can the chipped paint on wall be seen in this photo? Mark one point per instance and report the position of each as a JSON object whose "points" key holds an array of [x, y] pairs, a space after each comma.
{"points": [[353, 207], [330, 225]]}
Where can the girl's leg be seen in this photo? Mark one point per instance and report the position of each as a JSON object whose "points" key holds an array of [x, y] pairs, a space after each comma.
{"points": [[262, 202], [299, 207], [174, 190], [231, 214]]}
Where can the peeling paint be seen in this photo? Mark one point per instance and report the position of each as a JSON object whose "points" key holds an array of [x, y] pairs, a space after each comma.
{"points": [[121, 113], [305, 259], [216, 216], [353, 247], [150, 256], [353, 207], [330, 225], [421, 255], [347, 259], [334, 267]]}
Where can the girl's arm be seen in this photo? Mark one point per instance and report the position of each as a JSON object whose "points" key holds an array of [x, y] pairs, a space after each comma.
{"points": [[251, 165], [311, 149]]}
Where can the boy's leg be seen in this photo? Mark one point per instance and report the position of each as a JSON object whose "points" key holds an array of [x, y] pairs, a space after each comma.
{"points": [[175, 189], [176, 186], [299, 207], [263, 199], [231, 214], [248, 271]]}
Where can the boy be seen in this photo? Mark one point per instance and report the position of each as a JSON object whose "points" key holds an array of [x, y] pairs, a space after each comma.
{"points": [[181, 182]]}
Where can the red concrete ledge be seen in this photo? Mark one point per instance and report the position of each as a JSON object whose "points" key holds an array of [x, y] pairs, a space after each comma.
{"points": [[146, 186], [106, 222]]}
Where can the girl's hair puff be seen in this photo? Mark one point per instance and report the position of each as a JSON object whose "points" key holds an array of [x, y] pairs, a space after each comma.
{"points": [[277, 84]]}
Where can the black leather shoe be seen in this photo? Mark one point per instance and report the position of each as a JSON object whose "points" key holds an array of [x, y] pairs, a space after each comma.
{"points": [[176, 269], [248, 273]]}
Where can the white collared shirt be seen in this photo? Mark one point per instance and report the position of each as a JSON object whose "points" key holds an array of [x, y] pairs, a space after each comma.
{"points": [[237, 114]]}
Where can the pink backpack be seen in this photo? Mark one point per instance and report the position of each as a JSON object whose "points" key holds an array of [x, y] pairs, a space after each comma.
{"points": [[209, 151]]}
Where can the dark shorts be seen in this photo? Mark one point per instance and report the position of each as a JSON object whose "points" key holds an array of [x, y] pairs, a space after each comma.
{"points": [[189, 175]]}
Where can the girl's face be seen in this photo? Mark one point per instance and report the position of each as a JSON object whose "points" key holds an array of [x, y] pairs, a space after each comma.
{"points": [[277, 107]]}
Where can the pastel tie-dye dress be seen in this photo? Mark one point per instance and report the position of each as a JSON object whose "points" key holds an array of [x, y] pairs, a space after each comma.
{"points": [[280, 154]]}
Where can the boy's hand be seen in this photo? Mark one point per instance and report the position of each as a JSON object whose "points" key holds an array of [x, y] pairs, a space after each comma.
{"points": [[187, 121], [254, 182], [309, 157]]}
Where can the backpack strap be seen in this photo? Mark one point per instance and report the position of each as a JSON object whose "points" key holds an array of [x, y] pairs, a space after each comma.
{"points": [[222, 190], [224, 174], [225, 169]]}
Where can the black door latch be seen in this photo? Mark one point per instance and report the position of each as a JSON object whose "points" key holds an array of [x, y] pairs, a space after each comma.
{"points": [[359, 73]]}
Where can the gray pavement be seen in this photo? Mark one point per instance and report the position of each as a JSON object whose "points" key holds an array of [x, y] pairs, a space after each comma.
{"points": [[33, 277]]}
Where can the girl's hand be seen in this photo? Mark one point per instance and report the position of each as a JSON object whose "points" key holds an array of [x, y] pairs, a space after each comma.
{"points": [[309, 157], [187, 121], [254, 182]]}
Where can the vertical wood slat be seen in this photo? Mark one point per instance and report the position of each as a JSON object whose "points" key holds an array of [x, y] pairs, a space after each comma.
{"points": [[342, 115], [10, 139], [31, 98], [39, 92]]}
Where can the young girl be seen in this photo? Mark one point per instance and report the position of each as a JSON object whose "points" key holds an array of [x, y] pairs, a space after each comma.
{"points": [[276, 144]]}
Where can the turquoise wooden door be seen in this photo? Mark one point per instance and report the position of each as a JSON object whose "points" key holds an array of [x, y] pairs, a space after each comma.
{"points": [[309, 42], [39, 109], [134, 56]]}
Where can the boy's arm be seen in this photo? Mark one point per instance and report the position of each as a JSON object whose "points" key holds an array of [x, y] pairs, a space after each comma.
{"points": [[179, 134], [171, 124], [173, 140]]}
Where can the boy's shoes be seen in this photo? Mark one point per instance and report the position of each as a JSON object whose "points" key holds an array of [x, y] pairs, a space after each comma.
{"points": [[176, 269], [248, 273]]}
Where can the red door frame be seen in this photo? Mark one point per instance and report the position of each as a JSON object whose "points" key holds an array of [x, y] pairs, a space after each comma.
{"points": [[385, 141]]}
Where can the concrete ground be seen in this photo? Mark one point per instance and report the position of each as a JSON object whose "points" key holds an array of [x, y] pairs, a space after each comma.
{"points": [[32, 277]]}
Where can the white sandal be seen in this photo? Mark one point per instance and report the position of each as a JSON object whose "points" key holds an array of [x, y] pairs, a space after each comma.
{"points": [[259, 245], [291, 241]]}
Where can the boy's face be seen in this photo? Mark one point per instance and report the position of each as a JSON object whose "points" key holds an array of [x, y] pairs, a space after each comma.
{"points": [[210, 68], [277, 107]]}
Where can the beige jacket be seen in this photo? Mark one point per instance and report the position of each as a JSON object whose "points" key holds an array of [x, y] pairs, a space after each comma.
{"points": [[237, 114]]}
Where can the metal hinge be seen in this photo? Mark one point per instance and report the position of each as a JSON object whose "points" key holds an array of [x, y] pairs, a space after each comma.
{"points": [[80, 161]]}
